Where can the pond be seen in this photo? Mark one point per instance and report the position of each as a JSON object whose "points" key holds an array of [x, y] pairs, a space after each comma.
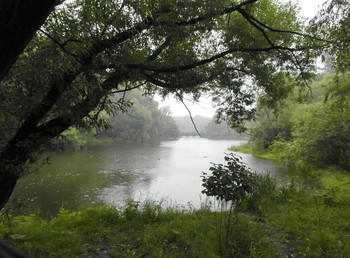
{"points": [[169, 170]]}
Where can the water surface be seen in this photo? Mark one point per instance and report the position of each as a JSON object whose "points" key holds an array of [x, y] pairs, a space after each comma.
{"points": [[112, 173]]}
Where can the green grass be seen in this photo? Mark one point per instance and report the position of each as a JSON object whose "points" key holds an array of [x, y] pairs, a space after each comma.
{"points": [[310, 215], [314, 220], [252, 149], [136, 230]]}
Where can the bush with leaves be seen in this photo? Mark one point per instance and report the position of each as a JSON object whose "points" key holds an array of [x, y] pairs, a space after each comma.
{"points": [[231, 182]]}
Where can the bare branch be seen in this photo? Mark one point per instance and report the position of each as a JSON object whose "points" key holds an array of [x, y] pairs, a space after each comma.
{"points": [[189, 112]]}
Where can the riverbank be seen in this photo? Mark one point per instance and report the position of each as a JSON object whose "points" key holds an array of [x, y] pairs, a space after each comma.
{"points": [[249, 148], [313, 215], [293, 220], [139, 231], [308, 217]]}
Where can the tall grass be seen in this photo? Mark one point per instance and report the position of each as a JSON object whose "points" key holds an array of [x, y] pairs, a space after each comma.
{"points": [[135, 230]]}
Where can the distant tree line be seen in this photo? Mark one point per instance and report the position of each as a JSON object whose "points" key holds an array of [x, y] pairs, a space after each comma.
{"points": [[143, 120], [207, 127]]}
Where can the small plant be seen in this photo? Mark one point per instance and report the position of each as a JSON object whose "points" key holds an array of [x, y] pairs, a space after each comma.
{"points": [[230, 183]]}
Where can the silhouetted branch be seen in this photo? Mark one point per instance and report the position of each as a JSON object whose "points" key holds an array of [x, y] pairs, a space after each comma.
{"points": [[189, 112]]}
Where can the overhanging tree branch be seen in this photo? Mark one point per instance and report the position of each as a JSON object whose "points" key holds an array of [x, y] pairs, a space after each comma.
{"points": [[193, 65], [61, 45], [128, 89], [198, 19], [189, 112], [159, 50], [260, 23]]}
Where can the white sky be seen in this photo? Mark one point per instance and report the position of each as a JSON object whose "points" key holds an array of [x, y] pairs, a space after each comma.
{"points": [[309, 9]]}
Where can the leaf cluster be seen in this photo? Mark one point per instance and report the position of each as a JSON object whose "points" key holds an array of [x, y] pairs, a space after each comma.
{"points": [[230, 182]]}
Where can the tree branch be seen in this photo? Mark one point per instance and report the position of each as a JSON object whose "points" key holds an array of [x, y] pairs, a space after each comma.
{"points": [[207, 60], [61, 45], [227, 10], [159, 50], [189, 112], [251, 19], [252, 22], [129, 89], [75, 113]]}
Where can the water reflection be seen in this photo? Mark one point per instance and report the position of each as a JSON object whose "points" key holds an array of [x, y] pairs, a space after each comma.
{"points": [[110, 174]]}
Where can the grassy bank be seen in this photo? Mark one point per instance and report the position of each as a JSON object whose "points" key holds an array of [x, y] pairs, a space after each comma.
{"points": [[252, 149], [309, 217], [311, 212], [138, 231], [295, 220]]}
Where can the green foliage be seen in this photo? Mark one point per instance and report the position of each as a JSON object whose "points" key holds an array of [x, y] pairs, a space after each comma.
{"points": [[135, 229], [74, 137], [221, 130], [332, 23], [144, 121], [231, 182], [312, 220], [136, 118], [270, 128], [314, 132], [88, 50]]}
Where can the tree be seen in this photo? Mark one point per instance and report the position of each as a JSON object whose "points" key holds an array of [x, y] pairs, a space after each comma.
{"points": [[314, 129], [332, 22], [313, 132], [222, 130], [14, 35], [90, 49], [143, 121]]}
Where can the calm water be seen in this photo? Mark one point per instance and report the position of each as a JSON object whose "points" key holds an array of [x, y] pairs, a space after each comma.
{"points": [[111, 174]]}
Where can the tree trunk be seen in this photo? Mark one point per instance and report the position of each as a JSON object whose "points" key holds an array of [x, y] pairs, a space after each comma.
{"points": [[19, 20], [7, 184]]}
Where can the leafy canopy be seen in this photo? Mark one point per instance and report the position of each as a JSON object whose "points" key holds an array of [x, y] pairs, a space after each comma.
{"points": [[90, 49]]}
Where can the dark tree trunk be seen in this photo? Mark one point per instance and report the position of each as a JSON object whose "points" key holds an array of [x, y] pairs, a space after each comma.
{"points": [[7, 184], [8, 251], [19, 20]]}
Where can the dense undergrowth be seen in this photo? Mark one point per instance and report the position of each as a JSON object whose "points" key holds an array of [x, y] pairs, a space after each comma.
{"points": [[311, 212]]}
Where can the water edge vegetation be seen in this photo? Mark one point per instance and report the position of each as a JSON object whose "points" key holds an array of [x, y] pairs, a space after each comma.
{"points": [[307, 217]]}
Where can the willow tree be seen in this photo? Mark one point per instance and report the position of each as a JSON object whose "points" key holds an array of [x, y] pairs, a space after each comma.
{"points": [[90, 49]]}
